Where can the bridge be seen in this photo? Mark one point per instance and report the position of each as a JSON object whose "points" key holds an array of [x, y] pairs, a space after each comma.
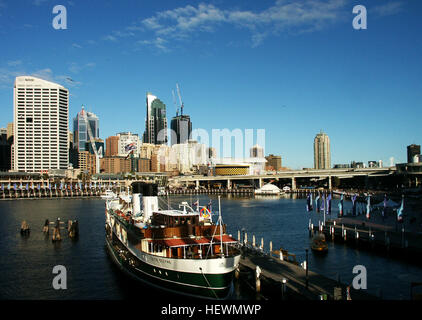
{"points": [[293, 175]]}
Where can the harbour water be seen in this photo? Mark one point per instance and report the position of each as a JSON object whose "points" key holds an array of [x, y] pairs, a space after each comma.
{"points": [[27, 263]]}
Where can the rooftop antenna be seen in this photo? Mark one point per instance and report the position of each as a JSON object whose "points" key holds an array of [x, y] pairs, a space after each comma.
{"points": [[175, 103], [180, 99]]}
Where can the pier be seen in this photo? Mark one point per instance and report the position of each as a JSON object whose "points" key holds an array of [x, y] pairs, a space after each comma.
{"points": [[281, 277], [396, 243], [43, 188]]}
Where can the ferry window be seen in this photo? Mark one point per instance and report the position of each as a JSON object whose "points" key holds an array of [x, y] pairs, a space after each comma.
{"points": [[174, 252]]}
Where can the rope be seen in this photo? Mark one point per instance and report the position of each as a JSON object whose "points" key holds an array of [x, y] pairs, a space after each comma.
{"points": [[208, 284]]}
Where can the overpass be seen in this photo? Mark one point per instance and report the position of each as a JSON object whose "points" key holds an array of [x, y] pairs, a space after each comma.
{"points": [[292, 175]]}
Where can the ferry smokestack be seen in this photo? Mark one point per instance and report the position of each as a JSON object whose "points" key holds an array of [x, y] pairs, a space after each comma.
{"points": [[149, 193]]}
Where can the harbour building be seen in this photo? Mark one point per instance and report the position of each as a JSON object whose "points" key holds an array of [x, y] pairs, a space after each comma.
{"points": [[156, 121], [41, 111], [322, 154], [412, 151]]}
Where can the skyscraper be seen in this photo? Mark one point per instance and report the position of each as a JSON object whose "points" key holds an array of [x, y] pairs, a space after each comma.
{"points": [[156, 121], [322, 154], [413, 150], [256, 151], [112, 146], [181, 127], [80, 129], [41, 110]]}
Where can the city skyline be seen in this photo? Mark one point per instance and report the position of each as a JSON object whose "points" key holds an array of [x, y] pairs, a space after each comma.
{"points": [[362, 84]]}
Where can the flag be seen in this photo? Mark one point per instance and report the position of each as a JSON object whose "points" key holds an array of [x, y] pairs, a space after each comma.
{"points": [[400, 211], [195, 204], [209, 206], [130, 146], [2, 187], [323, 203], [340, 206], [8, 186], [317, 203], [131, 152], [348, 296], [329, 204], [309, 202], [368, 207], [354, 204], [27, 187], [38, 187], [14, 186], [384, 210]]}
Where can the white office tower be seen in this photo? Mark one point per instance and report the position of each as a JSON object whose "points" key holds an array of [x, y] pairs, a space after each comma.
{"points": [[41, 111]]}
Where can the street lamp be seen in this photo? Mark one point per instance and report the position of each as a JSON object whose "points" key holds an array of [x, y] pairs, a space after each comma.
{"points": [[307, 267], [283, 289]]}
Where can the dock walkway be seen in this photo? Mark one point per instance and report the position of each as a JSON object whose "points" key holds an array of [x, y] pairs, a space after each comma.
{"points": [[275, 270]]}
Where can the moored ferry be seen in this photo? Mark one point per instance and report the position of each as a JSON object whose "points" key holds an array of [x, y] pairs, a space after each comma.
{"points": [[180, 250]]}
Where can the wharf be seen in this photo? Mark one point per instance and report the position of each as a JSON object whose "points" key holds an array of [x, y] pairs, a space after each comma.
{"points": [[396, 243], [274, 271]]}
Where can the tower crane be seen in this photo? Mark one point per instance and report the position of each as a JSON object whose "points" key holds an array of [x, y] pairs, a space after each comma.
{"points": [[180, 99], [175, 103], [98, 153]]}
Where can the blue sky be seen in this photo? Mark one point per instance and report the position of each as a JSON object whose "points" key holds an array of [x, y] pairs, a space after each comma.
{"points": [[291, 68]]}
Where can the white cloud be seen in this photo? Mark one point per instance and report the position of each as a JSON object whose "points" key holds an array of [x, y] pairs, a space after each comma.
{"points": [[14, 63], [388, 9], [39, 2], [75, 45], [158, 43], [76, 67], [296, 17], [9, 73]]}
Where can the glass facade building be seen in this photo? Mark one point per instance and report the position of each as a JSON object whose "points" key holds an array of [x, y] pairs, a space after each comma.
{"points": [[80, 129], [156, 121], [181, 129]]}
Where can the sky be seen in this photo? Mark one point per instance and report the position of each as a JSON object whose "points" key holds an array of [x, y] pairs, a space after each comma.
{"points": [[292, 68]]}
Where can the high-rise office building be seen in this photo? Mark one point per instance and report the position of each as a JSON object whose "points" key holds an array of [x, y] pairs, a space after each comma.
{"points": [[80, 129], [112, 146], [128, 143], [156, 121], [5, 151], [257, 151], [181, 129], [273, 162], [322, 154], [41, 111], [412, 151]]}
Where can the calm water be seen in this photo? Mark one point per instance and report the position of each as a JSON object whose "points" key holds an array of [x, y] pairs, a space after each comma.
{"points": [[26, 263]]}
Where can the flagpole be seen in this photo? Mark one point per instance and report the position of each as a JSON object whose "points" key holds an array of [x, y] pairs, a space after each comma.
{"points": [[221, 227]]}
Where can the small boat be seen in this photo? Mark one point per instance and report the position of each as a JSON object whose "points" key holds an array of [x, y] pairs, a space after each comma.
{"points": [[318, 243], [108, 195], [269, 189]]}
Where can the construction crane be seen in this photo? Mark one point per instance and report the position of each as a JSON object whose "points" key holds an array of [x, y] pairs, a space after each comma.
{"points": [[180, 99], [175, 103], [98, 153]]}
